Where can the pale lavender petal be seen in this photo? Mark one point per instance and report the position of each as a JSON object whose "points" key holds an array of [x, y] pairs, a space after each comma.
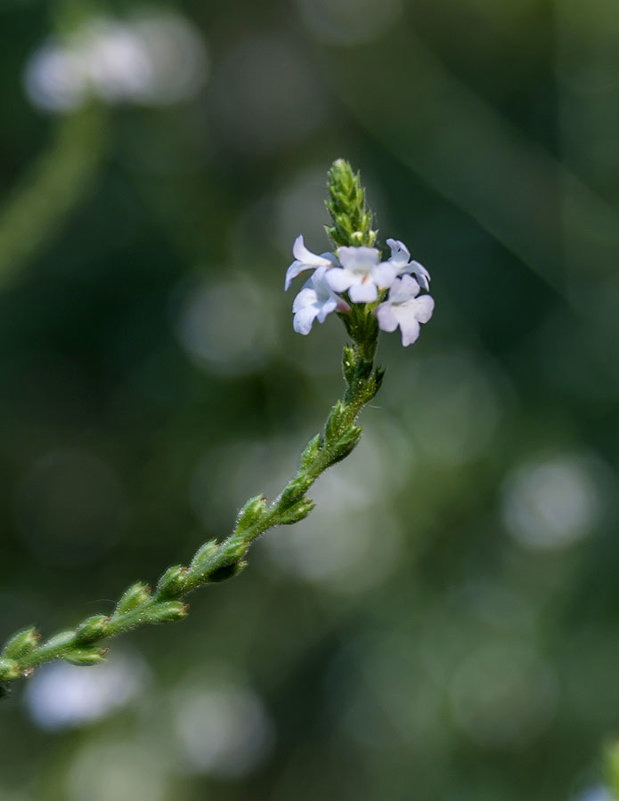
{"points": [[424, 306], [384, 274], [423, 276], [399, 252], [306, 297], [386, 318], [303, 320], [296, 268], [359, 260], [409, 325], [340, 280], [327, 307], [403, 289], [301, 253], [363, 293]]}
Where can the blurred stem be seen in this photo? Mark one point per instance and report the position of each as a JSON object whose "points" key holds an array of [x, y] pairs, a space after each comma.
{"points": [[33, 214], [213, 562]]}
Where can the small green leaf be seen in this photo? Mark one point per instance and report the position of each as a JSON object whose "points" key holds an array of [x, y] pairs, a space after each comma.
{"points": [[9, 670], [297, 512], [334, 422], [349, 363], [21, 643], [84, 656], [203, 556], [346, 444], [60, 639], [166, 612], [173, 582], [251, 513], [136, 595], [93, 628], [312, 449], [294, 492]]}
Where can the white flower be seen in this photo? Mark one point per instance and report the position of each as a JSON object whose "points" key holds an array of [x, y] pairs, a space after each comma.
{"points": [[306, 260], [362, 274], [314, 302], [400, 257], [403, 308]]}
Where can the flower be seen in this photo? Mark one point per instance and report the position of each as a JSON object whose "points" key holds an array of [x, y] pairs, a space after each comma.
{"points": [[362, 274], [403, 308], [306, 260], [315, 301], [400, 257]]}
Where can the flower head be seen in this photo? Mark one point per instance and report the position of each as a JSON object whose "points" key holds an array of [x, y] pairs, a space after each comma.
{"points": [[400, 257], [362, 274], [315, 302], [304, 259], [404, 309]]}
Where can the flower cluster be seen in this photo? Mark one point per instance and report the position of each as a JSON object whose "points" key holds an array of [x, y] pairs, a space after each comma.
{"points": [[155, 58], [357, 275]]}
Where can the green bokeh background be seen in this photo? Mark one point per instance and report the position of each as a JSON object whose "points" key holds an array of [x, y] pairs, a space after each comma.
{"points": [[445, 625]]}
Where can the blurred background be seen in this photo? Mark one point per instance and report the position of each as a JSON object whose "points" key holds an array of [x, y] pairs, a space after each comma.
{"points": [[444, 627]]}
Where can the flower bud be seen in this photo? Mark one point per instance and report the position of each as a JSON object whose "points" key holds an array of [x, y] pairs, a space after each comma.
{"points": [[21, 643], [93, 628], [136, 595], [173, 582]]}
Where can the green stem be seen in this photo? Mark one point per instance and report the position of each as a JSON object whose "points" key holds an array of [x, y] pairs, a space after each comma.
{"points": [[32, 215], [213, 562]]}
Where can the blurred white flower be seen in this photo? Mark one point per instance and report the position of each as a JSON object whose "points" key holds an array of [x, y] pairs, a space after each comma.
{"points": [[152, 59], [404, 309], [306, 260], [314, 302], [362, 274], [400, 256], [222, 728], [60, 696]]}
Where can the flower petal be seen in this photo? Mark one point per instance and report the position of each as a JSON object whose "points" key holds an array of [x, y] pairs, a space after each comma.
{"points": [[340, 280], [424, 306], [423, 276], [384, 274], [306, 297], [409, 325], [386, 318], [303, 320], [301, 253], [400, 255], [363, 292], [358, 260], [327, 307], [295, 269]]}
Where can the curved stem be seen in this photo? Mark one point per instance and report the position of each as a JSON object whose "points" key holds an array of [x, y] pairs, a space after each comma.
{"points": [[213, 561], [34, 212]]}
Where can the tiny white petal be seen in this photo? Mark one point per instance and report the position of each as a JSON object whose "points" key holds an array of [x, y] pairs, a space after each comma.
{"points": [[305, 298], [424, 308], [339, 280], [295, 269], [306, 260], [403, 289], [301, 253], [399, 252], [363, 292], [358, 259], [303, 320], [384, 274], [326, 309], [386, 318], [408, 325]]}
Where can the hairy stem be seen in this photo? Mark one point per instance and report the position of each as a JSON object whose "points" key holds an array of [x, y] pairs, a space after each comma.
{"points": [[212, 562]]}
